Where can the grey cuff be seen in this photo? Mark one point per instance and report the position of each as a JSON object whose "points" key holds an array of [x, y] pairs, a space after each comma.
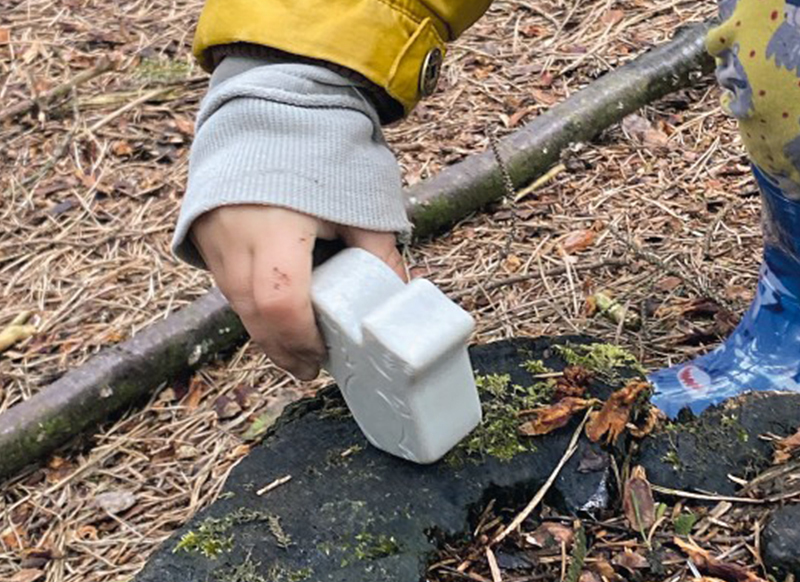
{"points": [[291, 135]]}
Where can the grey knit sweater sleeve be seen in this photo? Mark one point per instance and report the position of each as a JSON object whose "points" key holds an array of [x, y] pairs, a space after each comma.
{"points": [[291, 135]]}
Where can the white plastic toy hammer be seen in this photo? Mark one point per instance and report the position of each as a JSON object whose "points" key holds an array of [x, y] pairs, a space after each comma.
{"points": [[399, 355]]}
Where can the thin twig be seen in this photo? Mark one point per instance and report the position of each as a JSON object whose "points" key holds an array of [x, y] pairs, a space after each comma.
{"points": [[62, 148], [103, 66], [523, 515], [555, 271]]}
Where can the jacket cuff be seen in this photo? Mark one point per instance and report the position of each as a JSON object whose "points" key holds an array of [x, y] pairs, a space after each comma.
{"points": [[296, 136]]}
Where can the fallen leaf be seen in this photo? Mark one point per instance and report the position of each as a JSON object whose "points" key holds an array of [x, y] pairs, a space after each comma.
{"points": [[12, 538], [642, 130], [784, 448], [589, 576], [604, 569], [5, 35], [27, 575], [549, 418], [37, 558], [121, 148], [611, 17], [669, 283], [577, 241], [245, 396], [551, 535], [637, 501], [512, 263], [629, 560], [115, 501], [195, 393], [654, 416], [184, 125], [710, 566], [226, 407], [612, 419], [86, 532]]}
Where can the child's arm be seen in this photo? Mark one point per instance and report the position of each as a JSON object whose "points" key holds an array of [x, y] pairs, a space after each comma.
{"points": [[289, 146]]}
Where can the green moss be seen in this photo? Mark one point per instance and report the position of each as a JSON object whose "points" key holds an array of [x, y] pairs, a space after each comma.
{"points": [[163, 70], [213, 536], [672, 458], [603, 359], [536, 367], [249, 571], [374, 547], [498, 434]]}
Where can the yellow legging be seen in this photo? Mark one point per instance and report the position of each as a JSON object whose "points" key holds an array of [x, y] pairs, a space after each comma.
{"points": [[758, 56]]}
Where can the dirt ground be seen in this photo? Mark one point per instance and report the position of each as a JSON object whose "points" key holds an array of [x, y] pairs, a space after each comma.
{"points": [[91, 186]]}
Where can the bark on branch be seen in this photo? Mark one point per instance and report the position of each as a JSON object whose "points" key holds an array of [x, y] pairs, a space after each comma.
{"points": [[466, 187], [122, 375]]}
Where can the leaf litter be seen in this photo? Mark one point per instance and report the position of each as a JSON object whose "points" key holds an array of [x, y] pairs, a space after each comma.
{"points": [[91, 186]]}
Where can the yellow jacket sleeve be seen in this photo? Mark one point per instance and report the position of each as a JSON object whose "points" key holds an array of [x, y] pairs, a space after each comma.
{"points": [[398, 45]]}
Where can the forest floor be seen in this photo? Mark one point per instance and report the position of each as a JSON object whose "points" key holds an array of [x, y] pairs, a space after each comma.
{"points": [[92, 181]]}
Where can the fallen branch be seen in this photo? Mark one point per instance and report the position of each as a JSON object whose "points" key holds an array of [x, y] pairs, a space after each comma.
{"points": [[103, 66], [124, 374], [468, 186], [115, 379]]}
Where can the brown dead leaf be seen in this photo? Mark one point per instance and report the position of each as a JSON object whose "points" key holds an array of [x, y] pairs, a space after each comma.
{"points": [[5, 35], [710, 566], [637, 501], [86, 532], [195, 393], [589, 576], [578, 241], [12, 538], [549, 418], [784, 448], [551, 535], [226, 407], [604, 569], [512, 263], [611, 17], [184, 125], [121, 148], [612, 419], [629, 560], [654, 416], [27, 575], [669, 283]]}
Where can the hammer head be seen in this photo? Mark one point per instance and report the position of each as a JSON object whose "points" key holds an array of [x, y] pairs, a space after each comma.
{"points": [[399, 354]]}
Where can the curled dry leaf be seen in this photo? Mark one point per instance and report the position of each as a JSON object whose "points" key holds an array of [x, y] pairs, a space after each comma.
{"points": [[611, 420], [551, 535], [784, 448], [637, 500], [577, 241], [629, 560], [549, 418], [710, 566], [654, 416]]}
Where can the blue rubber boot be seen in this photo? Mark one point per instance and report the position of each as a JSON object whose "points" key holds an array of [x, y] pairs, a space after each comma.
{"points": [[763, 352]]}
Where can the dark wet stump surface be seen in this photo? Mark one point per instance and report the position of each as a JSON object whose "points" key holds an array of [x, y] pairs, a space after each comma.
{"points": [[368, 516]]}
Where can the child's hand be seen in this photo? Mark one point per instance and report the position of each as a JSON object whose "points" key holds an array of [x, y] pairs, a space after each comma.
{"points": [[261, 258]]}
